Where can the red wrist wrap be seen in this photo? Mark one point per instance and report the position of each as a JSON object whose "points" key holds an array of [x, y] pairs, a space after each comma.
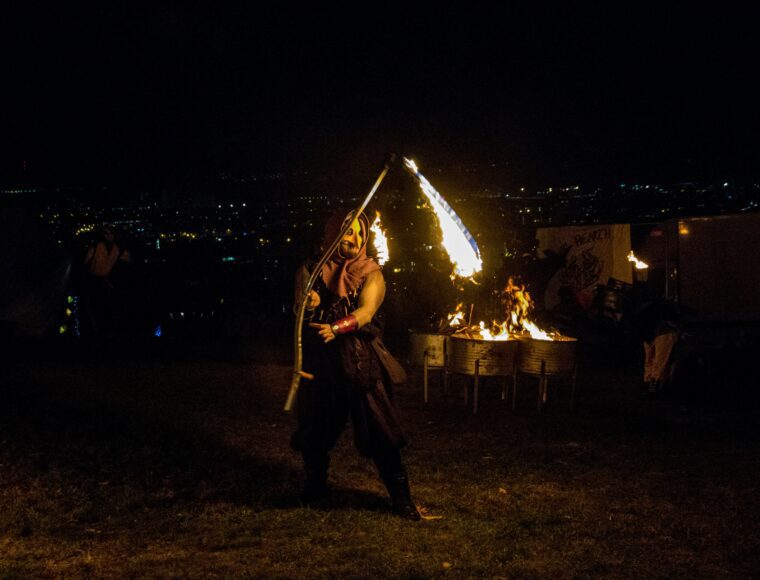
{"points": [[344, 325]]}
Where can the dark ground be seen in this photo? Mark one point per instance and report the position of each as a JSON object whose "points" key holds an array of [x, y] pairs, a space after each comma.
{"points": [[162, 465]]}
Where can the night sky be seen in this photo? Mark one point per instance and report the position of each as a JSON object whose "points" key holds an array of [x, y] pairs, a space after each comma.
{"points": [[165, 93]]}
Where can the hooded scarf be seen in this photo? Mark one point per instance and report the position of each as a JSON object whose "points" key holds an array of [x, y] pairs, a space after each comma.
{"points": [[344, 276]]}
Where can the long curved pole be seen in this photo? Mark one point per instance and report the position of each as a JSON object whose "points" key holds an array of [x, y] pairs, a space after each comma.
{"points": [[298, 371]]}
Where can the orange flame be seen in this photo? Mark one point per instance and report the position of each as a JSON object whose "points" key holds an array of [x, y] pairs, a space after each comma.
{"points": [[639, 265], [518, 306], [380, 240], [454, 236], [501, 334], [456, 318]]}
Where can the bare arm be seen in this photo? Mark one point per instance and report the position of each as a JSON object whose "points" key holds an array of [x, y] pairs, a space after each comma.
{"points": [[370, 300]]}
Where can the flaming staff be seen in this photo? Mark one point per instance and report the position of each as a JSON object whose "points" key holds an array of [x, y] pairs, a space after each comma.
{"points": [[298, 371], [457, 240]]}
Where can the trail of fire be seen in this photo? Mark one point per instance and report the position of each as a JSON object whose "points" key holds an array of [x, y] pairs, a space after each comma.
{"points": [[457, 241], [465, 256]]}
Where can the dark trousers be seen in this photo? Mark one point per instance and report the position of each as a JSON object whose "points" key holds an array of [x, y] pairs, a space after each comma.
{"points": [[323, 410], [95, 311]]}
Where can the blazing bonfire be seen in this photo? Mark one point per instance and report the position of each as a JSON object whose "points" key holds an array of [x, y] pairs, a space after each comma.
{"points": [[518, 307]]}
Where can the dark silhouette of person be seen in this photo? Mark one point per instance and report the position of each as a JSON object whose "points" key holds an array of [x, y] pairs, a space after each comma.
{"points": [[568, 316], [97, 289]]}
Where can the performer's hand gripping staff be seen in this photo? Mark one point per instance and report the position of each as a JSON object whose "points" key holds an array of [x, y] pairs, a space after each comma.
{"points": [[307, 297]]}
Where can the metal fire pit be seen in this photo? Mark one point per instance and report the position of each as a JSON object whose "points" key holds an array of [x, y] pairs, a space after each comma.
{"points": [[428, 350], [481, 358], [547, 358]]}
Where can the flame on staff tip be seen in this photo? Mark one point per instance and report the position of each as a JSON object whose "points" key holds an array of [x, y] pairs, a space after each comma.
{"points": [[380, 240], [457, 241], [638, 264]]}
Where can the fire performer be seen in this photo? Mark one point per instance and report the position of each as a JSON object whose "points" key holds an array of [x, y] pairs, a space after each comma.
{"points": [[354, 372]]}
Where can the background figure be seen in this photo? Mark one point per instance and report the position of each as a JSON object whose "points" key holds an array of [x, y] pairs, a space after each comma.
{"points": [[97, 290], [568, 316], [659, 332], [125, 301], [537, 271], [657, 354]]}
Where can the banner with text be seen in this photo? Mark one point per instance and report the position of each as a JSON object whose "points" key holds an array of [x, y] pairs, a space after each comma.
{"points": [[594, 254]]}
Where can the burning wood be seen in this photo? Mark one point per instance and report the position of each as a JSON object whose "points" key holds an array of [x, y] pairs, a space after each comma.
{"points": [[518, 306], [517, 324]]}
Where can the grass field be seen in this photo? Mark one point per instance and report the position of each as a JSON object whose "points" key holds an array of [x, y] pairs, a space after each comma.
{"points": [[167, 468]]}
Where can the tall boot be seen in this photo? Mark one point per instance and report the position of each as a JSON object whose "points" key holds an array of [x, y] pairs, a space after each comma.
{"points": [[401, 497], [393, 474], [315, 488]]}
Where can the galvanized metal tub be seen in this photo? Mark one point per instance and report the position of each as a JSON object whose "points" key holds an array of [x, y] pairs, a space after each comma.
{"points": [[497, 357], [558, 356], [431, 343]]}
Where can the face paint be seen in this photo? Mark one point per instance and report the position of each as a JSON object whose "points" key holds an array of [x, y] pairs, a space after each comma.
{"points": [[352, 241]]}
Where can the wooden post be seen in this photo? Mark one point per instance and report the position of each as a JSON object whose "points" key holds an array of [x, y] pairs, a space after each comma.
{"points": [[514, 389], [541, 386], [475, 387], [572, 392], [425, 376]]}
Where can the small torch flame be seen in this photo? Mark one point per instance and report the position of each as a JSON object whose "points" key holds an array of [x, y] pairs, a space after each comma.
{"points": [[380, 240], [638, 264], [457, 241]]}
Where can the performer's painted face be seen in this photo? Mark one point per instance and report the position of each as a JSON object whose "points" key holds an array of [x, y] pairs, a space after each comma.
{"points": [[352, 241]]}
